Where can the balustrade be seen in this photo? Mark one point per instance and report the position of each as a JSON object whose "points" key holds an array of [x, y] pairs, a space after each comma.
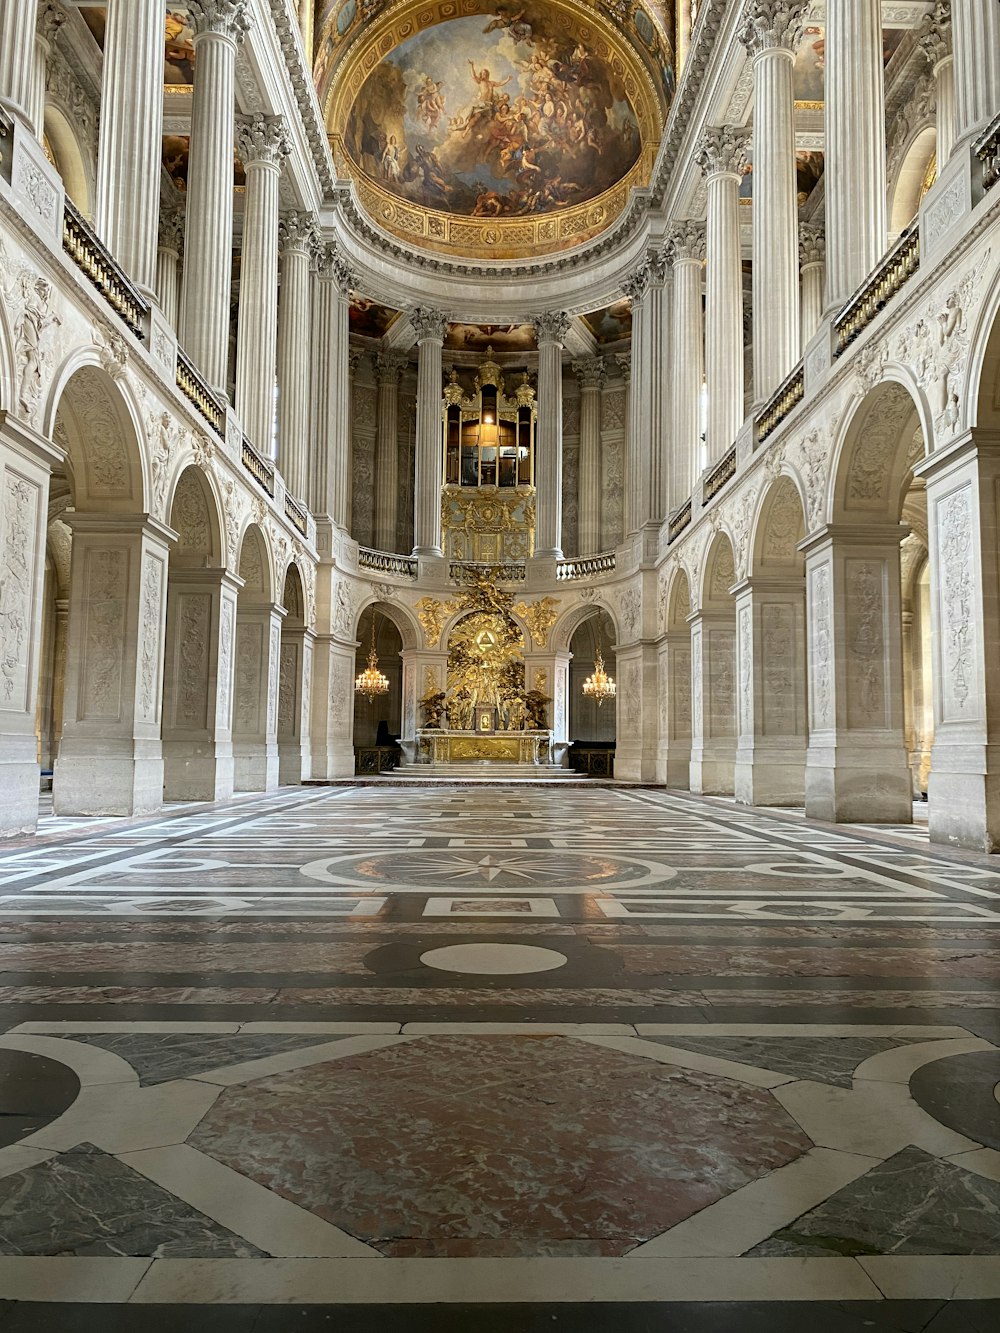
{"points": [[987, 149], [878, 289], [785, 398], [723, 471], [585, 567], [94, 260], [259, 467], [296, 513], [680, 521], [195, 389], [384, 562]]}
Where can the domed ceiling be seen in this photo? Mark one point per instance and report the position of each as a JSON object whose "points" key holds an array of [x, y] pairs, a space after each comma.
{"points": [[495, 131]]}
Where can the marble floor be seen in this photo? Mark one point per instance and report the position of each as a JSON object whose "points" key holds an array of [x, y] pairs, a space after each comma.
{"points": [[494, 1058]]}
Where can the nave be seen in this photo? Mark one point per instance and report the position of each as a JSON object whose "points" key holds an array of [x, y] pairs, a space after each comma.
{"points": [[505, 1058]]}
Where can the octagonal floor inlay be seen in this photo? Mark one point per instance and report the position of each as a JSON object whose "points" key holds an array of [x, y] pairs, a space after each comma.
{"points": [[497, 1146]]}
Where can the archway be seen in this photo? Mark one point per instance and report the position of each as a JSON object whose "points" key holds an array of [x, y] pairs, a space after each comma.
{"points": [[294, 683], [674, 686], [255, 689], [713, 675], [201, 605], [592, 725], [67, 155], [378, 721], [915, 177]]}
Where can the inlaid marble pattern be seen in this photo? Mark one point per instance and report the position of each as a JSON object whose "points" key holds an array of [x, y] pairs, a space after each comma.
{"points": [[617, 1045]]}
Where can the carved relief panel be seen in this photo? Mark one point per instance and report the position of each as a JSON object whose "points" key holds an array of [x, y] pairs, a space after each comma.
{"points": [[865, 632], [20, 520]]}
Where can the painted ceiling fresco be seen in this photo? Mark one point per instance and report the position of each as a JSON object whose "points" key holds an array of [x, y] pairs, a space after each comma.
{"points": [[177, 150], [178, 47], [809, 166], [368, 319], [494, 116], [612, 324], [810, 62]]}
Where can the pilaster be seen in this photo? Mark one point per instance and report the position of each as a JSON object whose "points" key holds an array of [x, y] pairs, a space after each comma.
{"points": [[430, 327], [296, 237], [255, 698], [550, 330], [812, 257], [591, 373], [686, 248], [935, 42], [713, 690], [389, 366], [330, 456], [976, 32]]}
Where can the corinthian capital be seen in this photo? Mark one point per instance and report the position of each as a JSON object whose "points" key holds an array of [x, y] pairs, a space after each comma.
{"points": [[552, 327], [935, 33], [172, 229], [389, 366], [226, 18], [333, 267], [262, 139], [636, 285], [590, 371], [774, 25], [51, 17], [297, 231], [687, 240], [722, 150], [812, 243], [428, 323]]}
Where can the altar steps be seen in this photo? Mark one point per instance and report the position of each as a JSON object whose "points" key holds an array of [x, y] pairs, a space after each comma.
{"points": [[489, 770]]}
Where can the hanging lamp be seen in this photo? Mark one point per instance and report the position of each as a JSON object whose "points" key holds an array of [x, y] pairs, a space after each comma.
{"points": [[371, 682], [599, 685]]}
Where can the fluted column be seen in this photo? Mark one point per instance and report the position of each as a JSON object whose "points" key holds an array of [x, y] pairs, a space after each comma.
{"points": [[388, 369], [17, 57], [296, 237], [550, 330], [131, 144], [771, 33], [330, 463], [638, 434], [168, 256], [204, 333], [977, 63], [51, 17], [686, 248], [855, 145], [264, 145], [722, 157], [935, 42], [812, 256], [430, 327], [591, 372]]}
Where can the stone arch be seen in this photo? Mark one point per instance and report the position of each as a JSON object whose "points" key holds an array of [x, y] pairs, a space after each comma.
{"points": [[678, 601], [570, 621], [94, 419], [70, 158], [984, 367], [402, 618], [255, 566], [592, 730], [379, 722], [779, 527], [6, 360], [718, 573], [196, 517], [293, 597], [881, 442], [912, 178]]}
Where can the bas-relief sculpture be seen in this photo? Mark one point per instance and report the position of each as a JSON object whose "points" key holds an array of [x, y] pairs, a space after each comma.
{"points": [[493, 116]]}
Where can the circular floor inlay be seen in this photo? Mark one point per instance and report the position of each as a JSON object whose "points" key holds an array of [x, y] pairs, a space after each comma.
{"points": [[493, 959]]}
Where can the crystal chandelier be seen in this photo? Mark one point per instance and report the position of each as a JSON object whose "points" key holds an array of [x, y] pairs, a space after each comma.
{"points": [[599, 686], [371, 681]]}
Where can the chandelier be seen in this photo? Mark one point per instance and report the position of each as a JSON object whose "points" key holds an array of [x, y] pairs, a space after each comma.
{"points": [[599, 686], [371, 682]]}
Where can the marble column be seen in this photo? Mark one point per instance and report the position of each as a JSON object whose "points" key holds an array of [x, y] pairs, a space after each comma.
{"points": [[637, 712], [550, 330], [771, 691], [430, 327], [389, 367], [638, 437], [296, 238], [51, 17], [612, 535], [812, 257], [17, 58], [255, 695], [856, 219], [686, 248], [110, 756], [219, 26], [198, 685], [722, 157], [771, 33], [976, 35], [935, 42], [168, 257], [294, 704], [333, 707], [963, 486], [131, 143], [591, 372], [713, 720], [264, 144], [856, 763], [330, 462]]}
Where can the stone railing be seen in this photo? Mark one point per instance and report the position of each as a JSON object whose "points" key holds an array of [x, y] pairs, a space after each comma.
{"points": [[586, 566], [6, 144], [196, 391], [878, 289], [724, 470], [296, 513], [459, 571], [785, 398], [987, 149], [259, 467], [96, 263], [680, 521], [384, 562]]}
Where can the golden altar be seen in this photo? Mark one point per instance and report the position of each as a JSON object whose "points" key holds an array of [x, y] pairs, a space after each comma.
{"points": [[436, 746]]}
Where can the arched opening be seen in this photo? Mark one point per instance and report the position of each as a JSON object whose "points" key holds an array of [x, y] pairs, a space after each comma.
{"points": [[294, 683], [109, 759], [592, 720], [378, 719], [713, 675], [771, 656], [915, 177], [197, 742], [65, 152], [255, 688]]}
